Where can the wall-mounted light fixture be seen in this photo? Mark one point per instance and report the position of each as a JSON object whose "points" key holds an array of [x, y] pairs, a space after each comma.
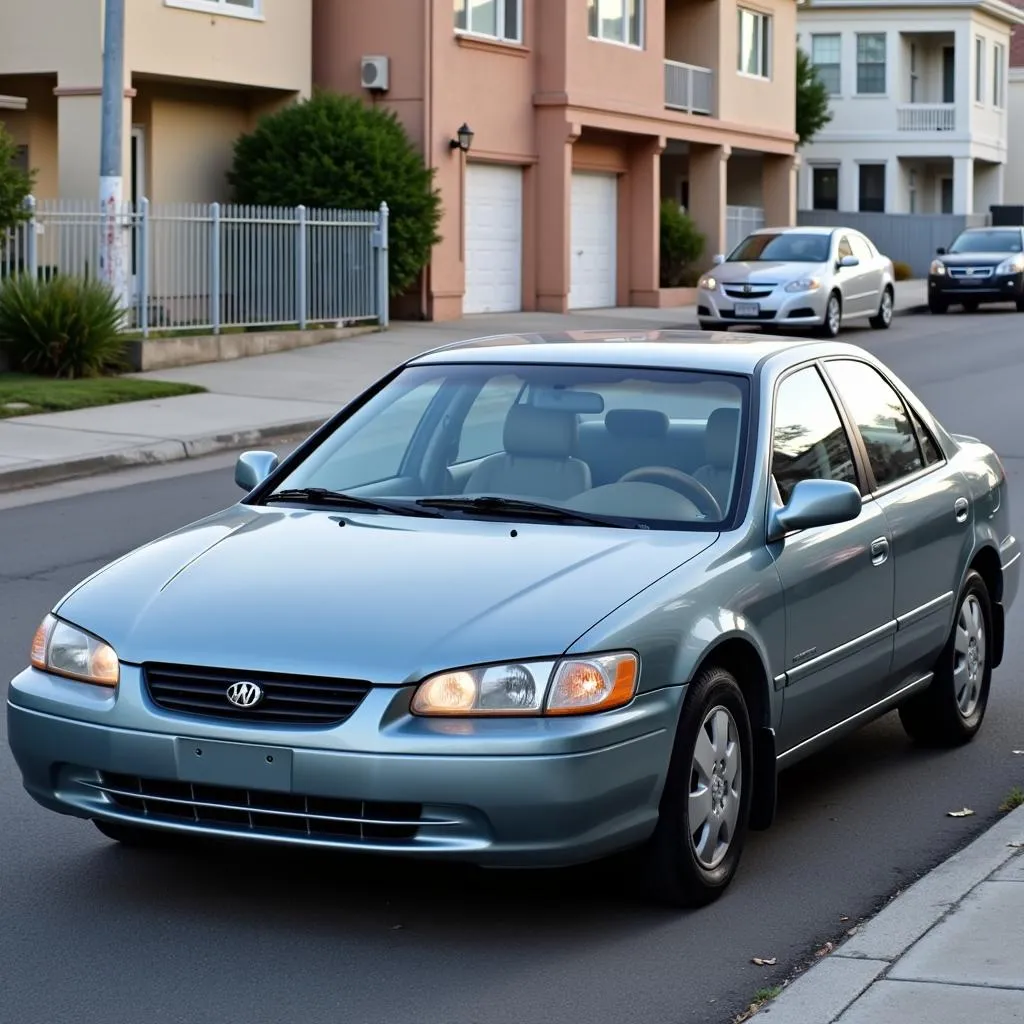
{"points": [[463, 140]]}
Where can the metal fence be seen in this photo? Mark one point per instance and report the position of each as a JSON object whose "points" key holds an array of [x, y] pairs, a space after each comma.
{"points": [[910, 238], [739, 222], [689, 88], [213, 266]]}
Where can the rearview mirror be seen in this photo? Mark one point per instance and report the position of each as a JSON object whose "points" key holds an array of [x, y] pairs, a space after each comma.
{"points": [[252, 468], [849, 261], [815, 503], [718, 259], [941, 251]]}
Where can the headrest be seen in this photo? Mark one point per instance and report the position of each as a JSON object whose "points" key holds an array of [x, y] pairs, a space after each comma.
{"points": [[636, 423], [540, 433], [720, 437]]}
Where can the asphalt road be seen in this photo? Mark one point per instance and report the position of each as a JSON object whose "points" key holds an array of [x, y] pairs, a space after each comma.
{"points": [[100, 935]]}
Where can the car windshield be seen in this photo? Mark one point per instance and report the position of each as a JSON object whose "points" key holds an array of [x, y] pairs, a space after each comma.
{"points": [[987, 241], [634, 448], [786, 246]]}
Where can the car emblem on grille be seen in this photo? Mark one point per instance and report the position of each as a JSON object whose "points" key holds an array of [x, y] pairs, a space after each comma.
{"points": [[244, 694], [970, 270], [746, 289]]}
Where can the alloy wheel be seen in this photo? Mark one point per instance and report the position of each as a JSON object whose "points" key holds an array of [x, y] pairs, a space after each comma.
{"points": [[886, 310], [716, 781], [969, 651]]}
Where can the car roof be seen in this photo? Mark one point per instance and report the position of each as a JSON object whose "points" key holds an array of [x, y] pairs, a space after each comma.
{"points": [[810, 229], [710, 351]]}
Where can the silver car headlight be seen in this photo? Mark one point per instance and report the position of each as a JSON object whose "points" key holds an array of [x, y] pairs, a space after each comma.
{"points": [[708, 282], [1014, 265], [804, 284], [938, 268], [65, 650], [569, 686]]}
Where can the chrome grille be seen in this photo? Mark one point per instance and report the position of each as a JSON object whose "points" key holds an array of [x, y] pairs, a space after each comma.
{"points": [[261, 813], [976, 273], [757, 291], [287, 699]]}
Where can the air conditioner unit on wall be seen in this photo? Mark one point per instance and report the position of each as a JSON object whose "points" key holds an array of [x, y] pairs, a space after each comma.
{"points": [[374, 74]]}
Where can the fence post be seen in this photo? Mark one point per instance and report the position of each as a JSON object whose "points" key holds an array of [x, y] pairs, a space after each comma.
{"points": [[300, 269], [380, 240], [215, 267], [31, 242], [142, 257]]}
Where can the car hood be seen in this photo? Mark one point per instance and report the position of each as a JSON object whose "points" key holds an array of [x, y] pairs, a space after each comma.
{"points": [[774, 272], [381, 598], [975, 259]]}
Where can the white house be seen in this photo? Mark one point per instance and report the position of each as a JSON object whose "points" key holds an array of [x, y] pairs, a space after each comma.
{"points": [[919, 103], [1015, 153]]}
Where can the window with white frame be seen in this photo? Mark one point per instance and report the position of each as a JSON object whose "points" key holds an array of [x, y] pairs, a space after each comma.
{"points": [[998, 75], [755, 43], [826, 56], [493, 19], [871, 57], [616, 21], [979, 70], [231, 8]]}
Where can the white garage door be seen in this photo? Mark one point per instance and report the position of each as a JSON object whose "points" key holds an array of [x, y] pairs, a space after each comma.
{"points": [[494, 239], [594, 235]]}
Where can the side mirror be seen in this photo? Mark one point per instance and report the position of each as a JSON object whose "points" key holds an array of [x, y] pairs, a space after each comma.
{"points": [[941, 251], [849, 261], [252, 468], [815, 503], [718, 259]]}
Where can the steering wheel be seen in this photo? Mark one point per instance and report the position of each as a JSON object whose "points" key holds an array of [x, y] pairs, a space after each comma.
{"points": [[682, 483]]}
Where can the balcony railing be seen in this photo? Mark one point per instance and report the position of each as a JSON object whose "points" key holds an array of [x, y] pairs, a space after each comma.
{"points": [[926, 117], [689, 88]]}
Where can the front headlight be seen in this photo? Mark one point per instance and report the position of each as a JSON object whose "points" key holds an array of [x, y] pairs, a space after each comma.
{"points": [[805, 284], [1014, 265], [571, 686], [708, 283], [65, 650], [937, 267]]}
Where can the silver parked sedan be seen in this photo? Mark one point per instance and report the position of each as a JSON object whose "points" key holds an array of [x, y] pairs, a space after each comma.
{"points": [[532, 600], [799, 278]]}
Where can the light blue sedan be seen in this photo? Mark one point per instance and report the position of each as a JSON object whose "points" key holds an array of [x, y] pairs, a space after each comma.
{"points": [[532, 600]]}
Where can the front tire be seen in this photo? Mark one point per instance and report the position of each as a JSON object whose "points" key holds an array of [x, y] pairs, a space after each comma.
{"points": [[705, 808], [832, 320], [937, 306], [883, 318], [970, 307], [1020, 304], [950, 712]]}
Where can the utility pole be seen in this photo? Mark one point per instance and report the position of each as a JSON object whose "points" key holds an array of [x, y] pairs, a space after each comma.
{"points": [[113, 263]]}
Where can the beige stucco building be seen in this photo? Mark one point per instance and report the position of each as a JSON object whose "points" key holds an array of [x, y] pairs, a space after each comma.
{"points": [[585, 113], [197, 75]]}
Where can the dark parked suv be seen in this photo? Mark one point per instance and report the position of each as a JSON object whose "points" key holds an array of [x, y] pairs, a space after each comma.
{"points": [[982, 265]]}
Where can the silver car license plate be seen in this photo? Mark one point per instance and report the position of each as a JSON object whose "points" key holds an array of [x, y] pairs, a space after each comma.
{"points": [[747, 309]]}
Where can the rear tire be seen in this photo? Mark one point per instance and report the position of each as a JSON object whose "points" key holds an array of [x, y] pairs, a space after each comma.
{"points": [[950, 712], [937, 306], [883, 318], [690, 862]]}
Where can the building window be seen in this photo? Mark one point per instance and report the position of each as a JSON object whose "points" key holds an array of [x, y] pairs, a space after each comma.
{"points": [[872, 188], [825, 56], [998, 74], [231, 8], [912, 190], [825, 188], [495, 19], [979, 70], [19, 160], [871, 64], [616, 21], [755, 47]]}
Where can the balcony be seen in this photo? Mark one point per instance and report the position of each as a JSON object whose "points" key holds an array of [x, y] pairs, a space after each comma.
{"points": [[689, 88], [926, 117]]}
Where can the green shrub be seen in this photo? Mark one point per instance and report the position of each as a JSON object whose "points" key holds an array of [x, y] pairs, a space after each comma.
{"points": [[681, 247], [902, 271], [61, 327], [335, 152], [15, 185]]}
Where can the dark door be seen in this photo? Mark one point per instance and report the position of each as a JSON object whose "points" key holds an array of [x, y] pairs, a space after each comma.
{"points": [[948, 74]]}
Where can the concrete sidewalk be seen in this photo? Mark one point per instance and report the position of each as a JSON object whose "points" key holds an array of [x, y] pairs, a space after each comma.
{"points": [[948, 950], [265, 398]]}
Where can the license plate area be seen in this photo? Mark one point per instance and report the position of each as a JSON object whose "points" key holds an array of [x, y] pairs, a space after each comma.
{"points": [[747, 309], [234, 765]]}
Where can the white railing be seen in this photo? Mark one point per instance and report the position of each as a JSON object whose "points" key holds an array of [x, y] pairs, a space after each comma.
{"points": [[689, 88], [739, 222], [926, 117]]}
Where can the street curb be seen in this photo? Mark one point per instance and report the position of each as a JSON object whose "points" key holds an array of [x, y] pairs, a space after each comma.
{"points": [[154, 454], [828, 988]]}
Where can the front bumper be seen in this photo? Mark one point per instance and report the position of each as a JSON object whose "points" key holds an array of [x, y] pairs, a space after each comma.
{"points": [[527, 792], [777, 308], [997, 288]]}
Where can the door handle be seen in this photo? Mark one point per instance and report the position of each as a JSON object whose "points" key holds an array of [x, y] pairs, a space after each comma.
{"points": [[960, 509], [879, 551]]}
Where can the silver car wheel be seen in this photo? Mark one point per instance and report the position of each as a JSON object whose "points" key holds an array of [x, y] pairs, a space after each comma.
{"points": [[832, 315], [969, 656], [716, 780], [886, 309]]}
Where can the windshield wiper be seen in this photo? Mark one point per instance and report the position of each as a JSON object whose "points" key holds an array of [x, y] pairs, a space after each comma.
{"points": [[498, 505], [338, 499]]}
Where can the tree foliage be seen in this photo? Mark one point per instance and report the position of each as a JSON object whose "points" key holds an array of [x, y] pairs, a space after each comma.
{"points": [[15, 185], [681, 245], [812, 100], [335, 152]]}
